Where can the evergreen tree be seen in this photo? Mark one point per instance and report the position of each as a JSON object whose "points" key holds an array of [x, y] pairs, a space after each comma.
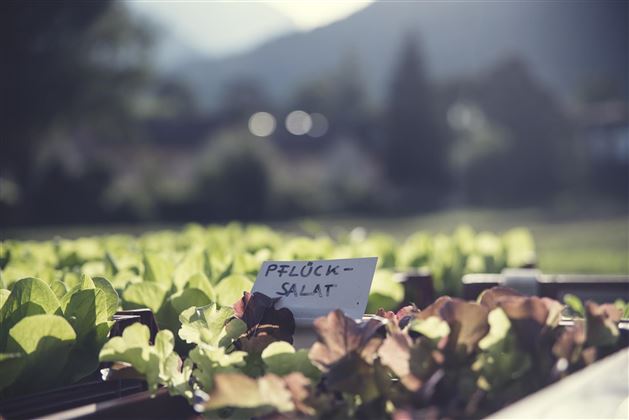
{"points": [[416, 150]]}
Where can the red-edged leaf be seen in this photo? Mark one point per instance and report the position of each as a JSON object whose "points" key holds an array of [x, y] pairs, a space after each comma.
{"points": [[434, 308], [340, 335], [491, 297], [395, 353], [468, 324], [265, 324], [528, 317]]}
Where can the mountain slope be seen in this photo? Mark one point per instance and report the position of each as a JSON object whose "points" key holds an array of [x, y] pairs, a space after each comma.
{"points": [[566, 44], [209, 29]]}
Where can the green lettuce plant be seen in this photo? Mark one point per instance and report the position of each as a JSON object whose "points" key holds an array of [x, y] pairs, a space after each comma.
{"points": [[219, 262], [50, 337]]}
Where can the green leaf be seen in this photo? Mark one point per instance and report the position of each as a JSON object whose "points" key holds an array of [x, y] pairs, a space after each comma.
{"points": [[124, 278], [28, 297], [432, 327], [210, 325], [501, 359], [281, 359], [201, 282], [575, 304], [499, 326], [84, 355], [110, 300], [520, 247], [89, 307], [195, 320], [111, 267], [4, 296], [79, 305], [145, 295], [168, 315], [158, 269], [221, 264], [14, 272], [231, 288], [385, 292], [233, 329], [11, 365], [246, 263], [193, 263], [268, 393], [158, 369], [132, 347], [210, 360], [178, 381], [188, 298], [59, 288], [71, 279], [158, 363], [45, 341]]}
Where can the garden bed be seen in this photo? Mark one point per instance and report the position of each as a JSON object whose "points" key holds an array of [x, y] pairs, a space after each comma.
{"points": [[226, 354]]}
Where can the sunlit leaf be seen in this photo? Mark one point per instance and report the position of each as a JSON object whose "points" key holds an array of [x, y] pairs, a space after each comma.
{"points": [[145, 295], [230, 289], [45, 341], [158, 362], [268, 393], [29, 296], [281, 359]]}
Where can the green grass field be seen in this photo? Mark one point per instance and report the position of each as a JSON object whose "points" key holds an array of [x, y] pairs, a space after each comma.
{"points": [[565, 244], [574, 244]]}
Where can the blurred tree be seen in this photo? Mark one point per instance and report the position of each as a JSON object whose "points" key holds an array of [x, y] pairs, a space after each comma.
{"points": [[541, 147], [68, 67], [167, 98], [241, 98], [63, 194], [65, 63], [234, 178], [417, 142], [341, 98]]}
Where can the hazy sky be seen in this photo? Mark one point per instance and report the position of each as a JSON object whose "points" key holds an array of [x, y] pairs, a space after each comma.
{"points": [[221, 27], [309, 14]]}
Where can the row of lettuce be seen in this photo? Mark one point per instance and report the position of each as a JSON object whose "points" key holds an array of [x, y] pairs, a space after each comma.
{"points": [[57, 298], [202, 257], [455, 359]]}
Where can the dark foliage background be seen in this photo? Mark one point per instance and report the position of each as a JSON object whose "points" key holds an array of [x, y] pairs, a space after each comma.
{"points": [[430, 108]]}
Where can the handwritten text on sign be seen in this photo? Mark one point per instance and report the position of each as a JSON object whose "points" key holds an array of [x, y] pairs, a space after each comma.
{"points": [[313, 288]]}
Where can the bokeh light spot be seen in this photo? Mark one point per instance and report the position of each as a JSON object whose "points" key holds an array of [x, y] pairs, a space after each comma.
{"points": [[319, 125], [262, 124], [298, 123]]}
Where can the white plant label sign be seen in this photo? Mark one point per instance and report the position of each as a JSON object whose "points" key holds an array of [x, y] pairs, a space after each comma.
{"points": [[311, 289]]}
